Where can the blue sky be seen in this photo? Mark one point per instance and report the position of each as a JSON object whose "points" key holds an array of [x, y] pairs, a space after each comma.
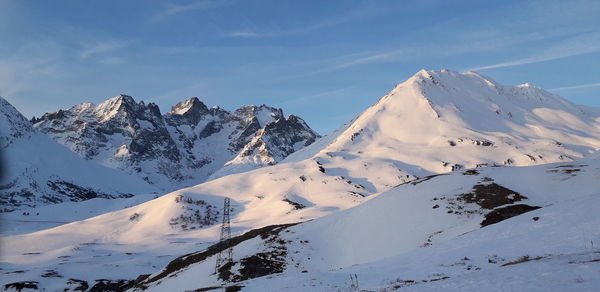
{"points": [[325, 61]]}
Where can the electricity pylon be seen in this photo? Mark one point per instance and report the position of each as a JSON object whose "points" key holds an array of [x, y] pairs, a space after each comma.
{"points": [[226, 255]]}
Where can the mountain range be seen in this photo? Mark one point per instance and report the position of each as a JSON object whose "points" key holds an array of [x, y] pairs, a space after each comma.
{"points": [[445, 180], [136, 148], [185, 146]]}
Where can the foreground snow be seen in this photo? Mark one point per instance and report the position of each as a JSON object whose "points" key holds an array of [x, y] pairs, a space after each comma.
{"points": [[398, 240], [378, 211]]}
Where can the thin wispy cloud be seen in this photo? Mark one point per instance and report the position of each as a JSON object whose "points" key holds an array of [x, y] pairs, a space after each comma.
{"points": [[581, 45], [243, 34], [369, 59], [484, 44], [98, 48], [174, 9], [317, 96], [575, 87], [113, 60], [359, 12]]}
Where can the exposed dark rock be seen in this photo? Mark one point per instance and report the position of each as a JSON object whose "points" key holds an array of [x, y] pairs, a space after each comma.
{"points": [[471, 172], [522, 259], [76, 193], [184, 261], [490, 196], [503, 213], [19, 286], [76, 285], [196, 214], [51, 274], [105, 285], [297, 206]]}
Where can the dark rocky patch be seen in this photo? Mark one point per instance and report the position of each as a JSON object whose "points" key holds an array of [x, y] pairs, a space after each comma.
{"points": [[471, 172], [233, 288], [423, 179], [270, 261], [567, 169], [76, 285], [503, 213], [490, 196], [77, 193], [51, 274], [261, 264], [19, 286], [105, 285], [196, 214], [15, 272], [522, 259], [297, 206], [356, 194], [186, 260], [355, 134], [453, 166]]}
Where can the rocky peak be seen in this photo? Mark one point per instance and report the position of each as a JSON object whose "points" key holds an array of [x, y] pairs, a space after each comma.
{"points": [[189, 112], [12, 123], [119, 105], [192, 105], [188, 143], [263, 113]]}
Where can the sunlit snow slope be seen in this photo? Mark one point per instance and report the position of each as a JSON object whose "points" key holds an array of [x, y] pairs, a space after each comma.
{"points": [[495, 229], [433, 123]]}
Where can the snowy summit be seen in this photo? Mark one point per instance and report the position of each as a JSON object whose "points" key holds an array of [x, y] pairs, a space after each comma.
{"points": [[446, 182]]}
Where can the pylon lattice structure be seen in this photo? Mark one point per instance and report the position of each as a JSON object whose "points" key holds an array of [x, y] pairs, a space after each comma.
{"points": [[226, 255]]}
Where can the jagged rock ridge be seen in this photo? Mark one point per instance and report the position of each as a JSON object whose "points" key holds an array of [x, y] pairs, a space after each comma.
{"points": [[184, 146]]}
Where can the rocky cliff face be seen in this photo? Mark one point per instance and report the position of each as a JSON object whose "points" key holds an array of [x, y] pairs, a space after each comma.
{"points": [[184, 146], [38, 171]]}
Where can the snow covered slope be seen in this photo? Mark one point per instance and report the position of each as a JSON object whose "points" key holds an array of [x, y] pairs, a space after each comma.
{"points": [[439, 121], [434, 123], [185, 146], [38, 171], [530, 229]]}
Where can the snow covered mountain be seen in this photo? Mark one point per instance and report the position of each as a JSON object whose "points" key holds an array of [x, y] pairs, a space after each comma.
{"points": [[181, 147], [439, 121], [38, 171], [530, 228], [436, 122], [534, 228]]}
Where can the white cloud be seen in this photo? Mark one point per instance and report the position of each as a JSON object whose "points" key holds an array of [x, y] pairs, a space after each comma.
{"points": [[242, 34], [113, 60], [328, 94], [98, 48], [354, 14], [575, 87], [580, 45], [369, 59], [173, 10]]}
